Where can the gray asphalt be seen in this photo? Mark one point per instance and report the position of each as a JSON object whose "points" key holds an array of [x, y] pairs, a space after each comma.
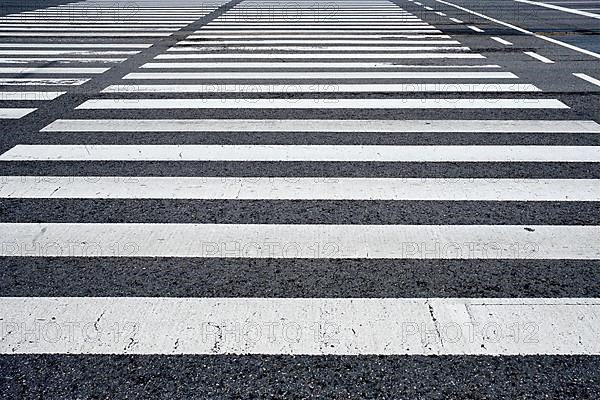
{"points": [[319, 377]]}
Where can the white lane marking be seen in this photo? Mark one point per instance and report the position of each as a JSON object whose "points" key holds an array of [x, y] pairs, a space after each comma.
{"points": [[456, 20], [323, 125], [322, 48], [367, 26], [276, 35], [308, 56], [286, 153], [428, 8], [43, 81], [15, 113], [277, 32], [326, 88], [14, 53], [588, 78], [559, 8], [501, 41], [61, 60], [540, 242], [474, 28], [321, 103], [539, 57], [549, 39], [310, 64], [79, 29], [313, 188], [302, 326], [77, 45], [85, 34], [29, 96], [441, 14], [321, 75], [312, 42], [51, 70]]}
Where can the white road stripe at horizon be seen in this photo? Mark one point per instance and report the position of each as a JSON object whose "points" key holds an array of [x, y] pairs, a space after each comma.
{"points": [[501, 41], [29, 96], [539, 57], [320, 48], [15, 113], [323, 75], [390, 30], [323, 125], [303, 35], [303, 56], [52, 70], [87, 34], [587, 78], [63, 60], [43, 81], [309, 64], [277, 241], [77, 45], [326, 88], [456, 20], [559, 8], [302, 326], [474, 28], [84, 29], [289, 153], [299, 188], [313, 41], [68, 52]]}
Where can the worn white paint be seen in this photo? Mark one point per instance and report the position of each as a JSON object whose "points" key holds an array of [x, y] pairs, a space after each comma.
{"points": [[588, 78], [538, 57], [323, 75], [15, 113], [309, 56]]}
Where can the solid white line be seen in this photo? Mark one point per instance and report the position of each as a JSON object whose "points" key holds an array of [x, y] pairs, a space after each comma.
{"points": [[474, 28], [51, 70], [320, 103], [327, 88], [309, 56], [43, 81], [311, 41], [540, 242], [559, 8], [549, 39], [62, 60], [14, 53], [15, 113], [86, 34], [277, 36], [84, 29], [77, 45], [300, 326], [311, 64], [588, 78], [318, 47], [323, 125], [456, 20], [501, 41], [539, 57], [313, 188], [368, 26], [321, 75], [286, 153], [29, 96]]}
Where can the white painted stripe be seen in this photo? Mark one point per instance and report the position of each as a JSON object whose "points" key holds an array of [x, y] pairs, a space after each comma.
{"points": [[84, 29], [51, 70], [588, 78], [326, 88], [85, 34], [539, 57], [539, 36], [300, 241], [15, 113], [501, 41], [428, 8], [441, 14], [29, 96], [456, 20], [311, 42], [313, 188], [43, 81], [322, 75], [276, 35], [322, 125], [14, 53], [309, 56], [307, 32], [77, 45], [301, 326], [63, 60], [368, 26], [321, 48], [310, 64], [284, 153], [474, 28], [320, 103], [559, 8]]}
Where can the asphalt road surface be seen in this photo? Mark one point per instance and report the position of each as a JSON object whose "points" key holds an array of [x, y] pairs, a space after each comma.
{"points": [[345, 199]]}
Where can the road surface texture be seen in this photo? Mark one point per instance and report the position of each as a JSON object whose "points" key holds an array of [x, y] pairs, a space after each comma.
{"points": [[341, 199]]}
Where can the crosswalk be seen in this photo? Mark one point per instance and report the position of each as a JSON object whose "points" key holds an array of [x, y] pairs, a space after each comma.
{"points": [[321, 139], [62, 47]]}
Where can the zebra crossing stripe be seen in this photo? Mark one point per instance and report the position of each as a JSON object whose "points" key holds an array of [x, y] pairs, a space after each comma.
{"points": [[51, 70], [314, 188], [29, 96], [311, 64], [77, 45], [301, 326], [304, 56], [15, 113], [323, 75], [287, 153], [43, 81]]}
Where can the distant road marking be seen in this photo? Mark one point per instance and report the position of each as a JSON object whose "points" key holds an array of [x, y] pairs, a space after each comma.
{"points": [[289, 153], [86, 34], [313, 188], [458, 21], [15, 113], [309, 64], [441, 14], [321, 75], [302, 326], [588, 78], [558, 42], [502, 41], [50, 70], [311, 41], [14, 53], [318, 47], [77, 45], [43, 81], [539, 57], [279, 241], [559, 8], [474, 28], [392, 126], [323, 55]]}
